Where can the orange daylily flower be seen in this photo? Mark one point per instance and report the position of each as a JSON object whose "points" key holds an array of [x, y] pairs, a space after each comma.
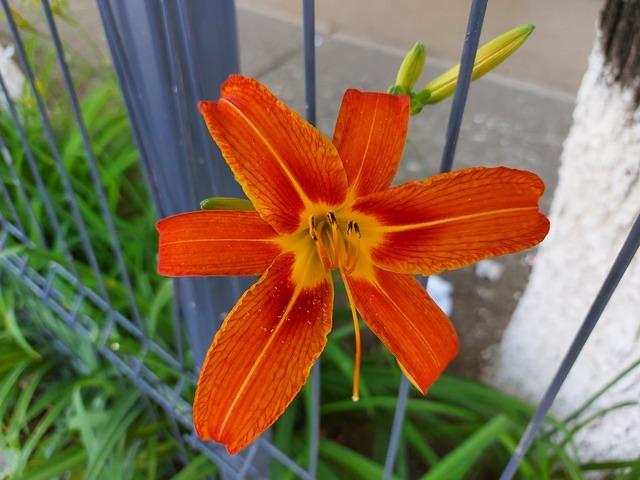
{"points": [[323, 206]]}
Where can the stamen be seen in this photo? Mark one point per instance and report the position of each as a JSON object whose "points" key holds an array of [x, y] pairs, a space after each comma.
{"points": [[312, 228], [320, 248], [335, 239], [353, 247], [327, 264], [355, 393]]}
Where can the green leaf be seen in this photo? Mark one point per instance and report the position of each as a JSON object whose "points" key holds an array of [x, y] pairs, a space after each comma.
{"points": [[420, 444], [68, 460], [591, 400], [283, 436], [460, 461], [416, 406], [200, 467], [160, 300], [40, 430], [8, 383], [344, 363], [121, 418], [7, 311], [19, 414], [358, 465]]}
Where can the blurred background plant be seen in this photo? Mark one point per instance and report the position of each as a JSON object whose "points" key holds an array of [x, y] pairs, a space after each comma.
{"points": [[66, 413]]}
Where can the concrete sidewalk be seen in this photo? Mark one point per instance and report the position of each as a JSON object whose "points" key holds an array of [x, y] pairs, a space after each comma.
{"points": [[506, 123]]}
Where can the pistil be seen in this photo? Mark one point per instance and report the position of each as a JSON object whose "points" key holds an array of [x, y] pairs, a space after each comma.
{"points": [[353, 246], [319, 244]]}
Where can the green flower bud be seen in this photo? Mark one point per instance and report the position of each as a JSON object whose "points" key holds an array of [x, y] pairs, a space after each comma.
{"points": [[226, 203], [411, 67], [488, 57]]}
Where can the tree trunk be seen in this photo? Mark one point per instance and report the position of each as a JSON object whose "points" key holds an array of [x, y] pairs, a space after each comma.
{"points": [[595, 203]]}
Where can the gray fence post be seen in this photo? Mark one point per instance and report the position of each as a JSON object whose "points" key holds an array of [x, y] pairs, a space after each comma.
{"points": [[167, 56]]}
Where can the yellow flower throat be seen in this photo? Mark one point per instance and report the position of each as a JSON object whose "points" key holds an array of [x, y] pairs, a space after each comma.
{"points": [[337, 247]]}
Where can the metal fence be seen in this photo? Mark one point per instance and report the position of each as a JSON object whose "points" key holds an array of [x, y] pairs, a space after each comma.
{"points": [[158, 50]]}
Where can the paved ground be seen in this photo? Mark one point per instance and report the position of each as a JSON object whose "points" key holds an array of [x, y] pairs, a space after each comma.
{"points": [[506, 123]]}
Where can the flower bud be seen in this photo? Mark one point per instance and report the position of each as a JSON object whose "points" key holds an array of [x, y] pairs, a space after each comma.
{"points": [[226, 203], [411, 67], [488, 57]]}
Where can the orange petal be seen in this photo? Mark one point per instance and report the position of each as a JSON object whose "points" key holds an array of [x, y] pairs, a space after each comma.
{"points": [[215, 242], [454, 219], [409, 323], [262, 356], [370, 134], [284, 164]]}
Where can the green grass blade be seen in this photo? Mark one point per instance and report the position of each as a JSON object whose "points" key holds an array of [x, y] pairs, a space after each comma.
{"points": [[40, 430], [19, 414], [120, 420], [344, 362], [199, 467], [7, 385], [460, 461], [11, 325], [358, 465], [69, 460], [415, 406], [602, 391], [420, 444], [283, 436]]}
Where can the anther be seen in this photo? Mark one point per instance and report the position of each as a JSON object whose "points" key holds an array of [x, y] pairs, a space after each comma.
{"points": [[332, 218], [353, 246]]}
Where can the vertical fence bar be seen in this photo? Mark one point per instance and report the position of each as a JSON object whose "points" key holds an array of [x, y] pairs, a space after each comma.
{"points": [[196, 91], [155, 69], [468, 56], [396, 428], [469, 49], [622, 261], [309, 33], [130, 95]]}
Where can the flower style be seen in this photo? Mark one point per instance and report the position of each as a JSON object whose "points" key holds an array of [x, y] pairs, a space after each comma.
{"points": [[323, 206]]}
